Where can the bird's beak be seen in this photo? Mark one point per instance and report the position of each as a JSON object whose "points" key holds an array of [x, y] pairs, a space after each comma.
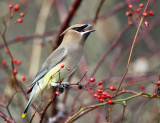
{"points": [[87, 28]]}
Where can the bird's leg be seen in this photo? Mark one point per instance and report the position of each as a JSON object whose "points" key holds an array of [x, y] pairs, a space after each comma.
{"points": [[65, 85]]}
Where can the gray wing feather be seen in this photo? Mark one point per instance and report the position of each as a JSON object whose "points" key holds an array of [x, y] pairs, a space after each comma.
{"points": [[56, 57]]}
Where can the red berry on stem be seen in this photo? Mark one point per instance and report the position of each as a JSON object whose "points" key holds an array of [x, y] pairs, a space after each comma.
{"points": [[110, 102], [138, 10], [10, 6], [129, 23], [62, 66], [68, 68], [92, 79], [104, 93], [142, 87], [151, 13], [19, 20], [22, 14], [16, 8], [100, 83], [15, 71], [18, 38], [154, 94], [99, 90], [18, 62], [158, 83], [141, 5], [14, 61], [145, 14], [7, 51], [23, 78], [104, 96], [3, 62], [146, 23], [99, 97], [57, 92], [95, 95], [108, 96], [130, 6], [101, 100], [112, 88], [129, 13]]}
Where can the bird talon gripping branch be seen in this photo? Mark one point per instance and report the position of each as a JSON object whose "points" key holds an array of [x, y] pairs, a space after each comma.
{"points": [[68, 53]]}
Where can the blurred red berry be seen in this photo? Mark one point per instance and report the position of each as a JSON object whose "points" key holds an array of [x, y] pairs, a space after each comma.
{"points": [[146, 23], [142, 87], [141, 5], [158, 83], [10, 6], [100, 83], [22, 14], [151, 13], [101, 100], [138, 10], [108, 96], [145, 14], [110, 102], [112, 88], [62, 66], [95, 95], [129, 23], [99, 90], [68, 68], [3, 62], [14, 61], [18, 62], [159, 111], [16, 8], [23, 78], [104, 96], [15, 71], [57, 92], [99, 97], [154, 94], [130, 6], [92, 79], [129, 13], [19, 20], [18, 38], [104, 93], [7, 51]]}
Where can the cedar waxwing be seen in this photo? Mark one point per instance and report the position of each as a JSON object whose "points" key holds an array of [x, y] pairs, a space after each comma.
{"points": [[68, 54]]}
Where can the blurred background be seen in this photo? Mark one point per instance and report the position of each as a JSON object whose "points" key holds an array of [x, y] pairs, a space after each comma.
{"points": [[31, 42]]}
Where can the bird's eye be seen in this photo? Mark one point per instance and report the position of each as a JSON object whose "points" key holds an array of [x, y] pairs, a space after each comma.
{"points": [[77, 29]]}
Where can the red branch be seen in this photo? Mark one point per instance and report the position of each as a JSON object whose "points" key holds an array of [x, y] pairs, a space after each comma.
{"points": [[6, 118]]}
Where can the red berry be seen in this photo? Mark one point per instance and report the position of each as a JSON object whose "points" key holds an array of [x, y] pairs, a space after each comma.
{"points": [[99, 97], [23, 78], [129, 13], [18, 62], [146, 23], [92, 79], [142, 87], [138, 10], [129, 23], [101, 100], [57, 92], [112, 88], [130, 6], [158, 83], [14, 61], [99, 90], [3, 62], [110, 102], [10, 6], [159, 111], [145, 14], [22, 14], [68, 68], [104, 96], [16, 8], [15, 71], [108, 96], [100, 83], [151, 13], [95, 95], [18, 38], [19, 20], [7, 51], [141, 5], [154, 94], [62, 66], [104, 93]]}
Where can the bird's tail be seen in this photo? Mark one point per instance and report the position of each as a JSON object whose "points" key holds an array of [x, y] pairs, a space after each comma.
{"points": [[33, 93]]}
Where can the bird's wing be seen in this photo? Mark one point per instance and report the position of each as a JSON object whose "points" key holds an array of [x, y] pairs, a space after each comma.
{"points": [[56, 57]]}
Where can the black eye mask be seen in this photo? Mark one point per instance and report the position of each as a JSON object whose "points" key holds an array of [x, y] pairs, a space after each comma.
{"points": [[80, 29]]}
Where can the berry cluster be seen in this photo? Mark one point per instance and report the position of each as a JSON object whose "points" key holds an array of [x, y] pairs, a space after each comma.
{"points": [[158, 89], [14, 9], [135, 12]]}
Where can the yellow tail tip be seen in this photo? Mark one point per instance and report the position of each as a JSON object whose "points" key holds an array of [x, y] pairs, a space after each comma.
{"points": [[23, 115]]}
